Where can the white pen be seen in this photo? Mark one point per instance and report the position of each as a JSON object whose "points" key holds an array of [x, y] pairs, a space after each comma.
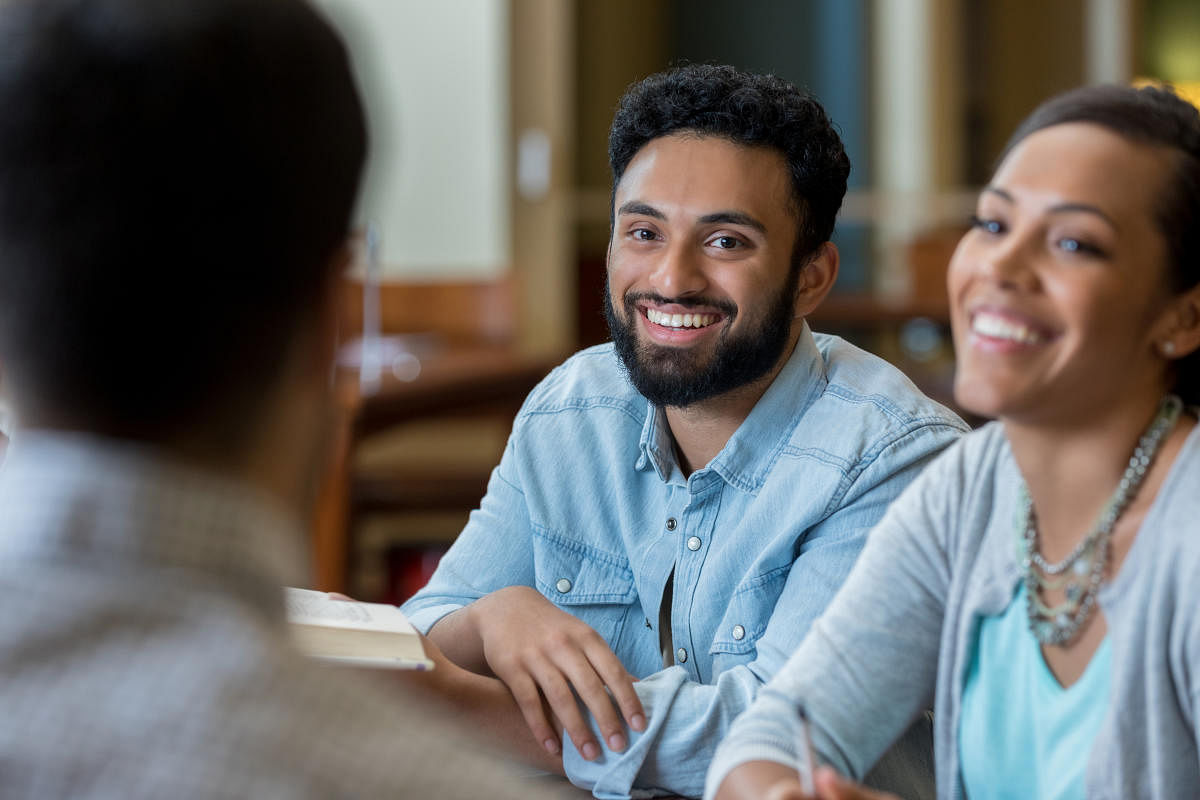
{"points": [[808, 758]]}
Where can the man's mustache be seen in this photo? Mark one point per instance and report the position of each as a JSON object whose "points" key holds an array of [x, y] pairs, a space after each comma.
{"points": [[724, 306]]}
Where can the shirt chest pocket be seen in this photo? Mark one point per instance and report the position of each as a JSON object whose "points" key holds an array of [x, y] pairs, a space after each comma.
{"points": [[745, 618], [592, 584]]}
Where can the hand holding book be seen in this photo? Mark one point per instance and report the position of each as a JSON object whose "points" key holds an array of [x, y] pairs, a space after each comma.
{"points": [[359, 634]]}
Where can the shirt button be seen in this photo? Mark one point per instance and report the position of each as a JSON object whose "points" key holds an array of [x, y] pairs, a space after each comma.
{"points": [[739, 632], [693, 543], [681, 656], [671, 523], [563, 585]]}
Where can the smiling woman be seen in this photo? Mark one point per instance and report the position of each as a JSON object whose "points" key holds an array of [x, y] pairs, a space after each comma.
{"points": [[1063, 276], [1036, 584]]}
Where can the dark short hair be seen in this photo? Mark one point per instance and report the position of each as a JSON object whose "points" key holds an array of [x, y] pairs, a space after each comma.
{"points": [[1154, 116], [748, 109], [176, 178]]}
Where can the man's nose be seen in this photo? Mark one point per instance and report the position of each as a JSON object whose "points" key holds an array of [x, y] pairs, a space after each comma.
{"points": [[679, 272]]}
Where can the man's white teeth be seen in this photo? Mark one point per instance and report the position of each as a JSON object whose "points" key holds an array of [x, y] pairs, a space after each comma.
{"points": [[996, 327], [680, 320]]}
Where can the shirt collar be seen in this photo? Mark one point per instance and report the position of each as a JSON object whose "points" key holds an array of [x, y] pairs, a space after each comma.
{"points": [[70, 494], [747, 457], [657, 446]]}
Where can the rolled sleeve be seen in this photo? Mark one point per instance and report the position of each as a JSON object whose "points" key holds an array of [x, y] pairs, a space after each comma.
{"points": [[685, 722], [493, 551]]}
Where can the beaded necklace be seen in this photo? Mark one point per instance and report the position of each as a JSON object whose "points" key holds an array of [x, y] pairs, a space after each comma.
{"points": [[1080, 574]]}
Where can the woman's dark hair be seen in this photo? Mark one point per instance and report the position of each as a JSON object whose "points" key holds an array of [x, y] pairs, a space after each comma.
{"points": [[748, 109], [1153, 116]]}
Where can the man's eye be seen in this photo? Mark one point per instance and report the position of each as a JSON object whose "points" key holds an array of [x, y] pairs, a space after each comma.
{"points": [[643, 235], [727, 242]]}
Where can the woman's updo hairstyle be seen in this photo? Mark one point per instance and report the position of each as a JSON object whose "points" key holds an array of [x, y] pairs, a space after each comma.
{"points": [[1154, 116]]}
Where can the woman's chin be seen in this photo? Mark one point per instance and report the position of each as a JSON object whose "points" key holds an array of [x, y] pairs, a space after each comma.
{"points": [[978, 398]]}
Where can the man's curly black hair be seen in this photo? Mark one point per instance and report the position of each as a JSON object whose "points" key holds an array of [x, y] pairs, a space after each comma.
{"points": [[749, 109]]}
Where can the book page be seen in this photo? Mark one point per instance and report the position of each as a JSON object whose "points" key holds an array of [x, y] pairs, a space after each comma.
{"points": [[306, 607]]}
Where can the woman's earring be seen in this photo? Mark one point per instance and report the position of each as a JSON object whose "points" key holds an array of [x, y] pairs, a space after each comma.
{"points": [[1168, 348]]}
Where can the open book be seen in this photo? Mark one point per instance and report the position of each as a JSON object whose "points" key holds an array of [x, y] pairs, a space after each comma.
{"points": [[360, 634]]}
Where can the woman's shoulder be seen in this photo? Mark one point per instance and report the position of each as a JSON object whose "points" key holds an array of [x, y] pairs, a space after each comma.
{"points": [[1179, 500], [981, 455], [962, 497]]}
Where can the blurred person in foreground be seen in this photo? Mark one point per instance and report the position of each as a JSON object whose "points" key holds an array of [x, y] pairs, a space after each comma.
{"points": [[176, 180], [1037, 584], [674, 508]]}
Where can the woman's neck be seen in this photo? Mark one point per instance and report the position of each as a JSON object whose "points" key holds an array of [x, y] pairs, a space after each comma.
{"points": [[1071, 471]]}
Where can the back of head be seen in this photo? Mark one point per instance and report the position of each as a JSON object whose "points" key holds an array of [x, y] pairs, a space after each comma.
{"points": [[175, 179], [749, 109], [1156, 117]]}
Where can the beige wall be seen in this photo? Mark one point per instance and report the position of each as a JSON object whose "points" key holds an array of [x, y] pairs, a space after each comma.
{"points": [[435, 76]]}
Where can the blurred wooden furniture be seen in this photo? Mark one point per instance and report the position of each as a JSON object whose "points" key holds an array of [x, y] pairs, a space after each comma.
{"points": [[455, 361]]}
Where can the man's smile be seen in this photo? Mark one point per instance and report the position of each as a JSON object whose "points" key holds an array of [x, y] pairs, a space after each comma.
{"points": [[689, 320]]}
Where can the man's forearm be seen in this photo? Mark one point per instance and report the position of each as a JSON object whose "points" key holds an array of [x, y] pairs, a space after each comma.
{"points": [[485, 705], [459, 639]]}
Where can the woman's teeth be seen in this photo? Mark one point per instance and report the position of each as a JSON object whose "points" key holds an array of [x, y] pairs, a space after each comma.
{"points": [[997, 327], [680, 320]]}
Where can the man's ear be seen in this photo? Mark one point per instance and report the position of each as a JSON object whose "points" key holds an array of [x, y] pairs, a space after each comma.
{"points": [[816, 279], [1180, 329], [327, 317]]}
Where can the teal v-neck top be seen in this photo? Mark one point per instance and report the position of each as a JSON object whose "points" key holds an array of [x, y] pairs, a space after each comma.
{"points": [[1021, 734]]}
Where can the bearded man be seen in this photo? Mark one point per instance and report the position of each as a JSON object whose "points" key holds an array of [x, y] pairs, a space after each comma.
{"points": [[674, 509]]}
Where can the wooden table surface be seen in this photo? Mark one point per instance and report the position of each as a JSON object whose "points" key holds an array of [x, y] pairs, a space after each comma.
{"points": [[444, 376]]}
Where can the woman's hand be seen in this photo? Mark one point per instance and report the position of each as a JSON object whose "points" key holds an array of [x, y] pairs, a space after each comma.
{"points": [[829, 785], [767, 780]]}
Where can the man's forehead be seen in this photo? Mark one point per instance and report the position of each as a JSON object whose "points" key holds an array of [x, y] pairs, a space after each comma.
{"points": [[701, 176]]}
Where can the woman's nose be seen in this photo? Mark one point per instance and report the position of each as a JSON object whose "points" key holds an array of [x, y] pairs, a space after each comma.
{"points": [[1007, 261]]}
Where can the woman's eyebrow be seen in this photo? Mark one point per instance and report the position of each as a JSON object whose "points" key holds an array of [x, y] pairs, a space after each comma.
{"points": [[1086, 209], [1060, 208]]}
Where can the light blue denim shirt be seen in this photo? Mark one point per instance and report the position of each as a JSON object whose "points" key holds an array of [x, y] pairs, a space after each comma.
{"points": [[589, 506]]}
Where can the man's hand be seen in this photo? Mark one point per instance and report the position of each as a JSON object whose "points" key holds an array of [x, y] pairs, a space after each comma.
{"points": [[479, 702], [540, 650]]}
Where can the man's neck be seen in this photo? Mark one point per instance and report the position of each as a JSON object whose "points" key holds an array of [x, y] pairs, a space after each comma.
{"points": [[702, 429]]}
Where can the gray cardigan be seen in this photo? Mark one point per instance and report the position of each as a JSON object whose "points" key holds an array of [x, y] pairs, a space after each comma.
{"points": [[897, 637]]}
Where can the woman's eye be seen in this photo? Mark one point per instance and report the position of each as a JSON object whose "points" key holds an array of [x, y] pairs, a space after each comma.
{"points": [[991, 226], [1072, 245]]}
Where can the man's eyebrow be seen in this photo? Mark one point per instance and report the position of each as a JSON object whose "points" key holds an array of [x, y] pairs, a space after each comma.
{"points": [[1061, 208], [734, 218], [641, 209]]}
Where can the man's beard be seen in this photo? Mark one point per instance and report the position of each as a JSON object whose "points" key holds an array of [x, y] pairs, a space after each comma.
{"points": [[680, 376]]}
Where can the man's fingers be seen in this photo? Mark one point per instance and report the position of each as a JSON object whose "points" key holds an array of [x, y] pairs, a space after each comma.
{"points": [[529, 700], [612, 672], [582, 675], [562, 702]]}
